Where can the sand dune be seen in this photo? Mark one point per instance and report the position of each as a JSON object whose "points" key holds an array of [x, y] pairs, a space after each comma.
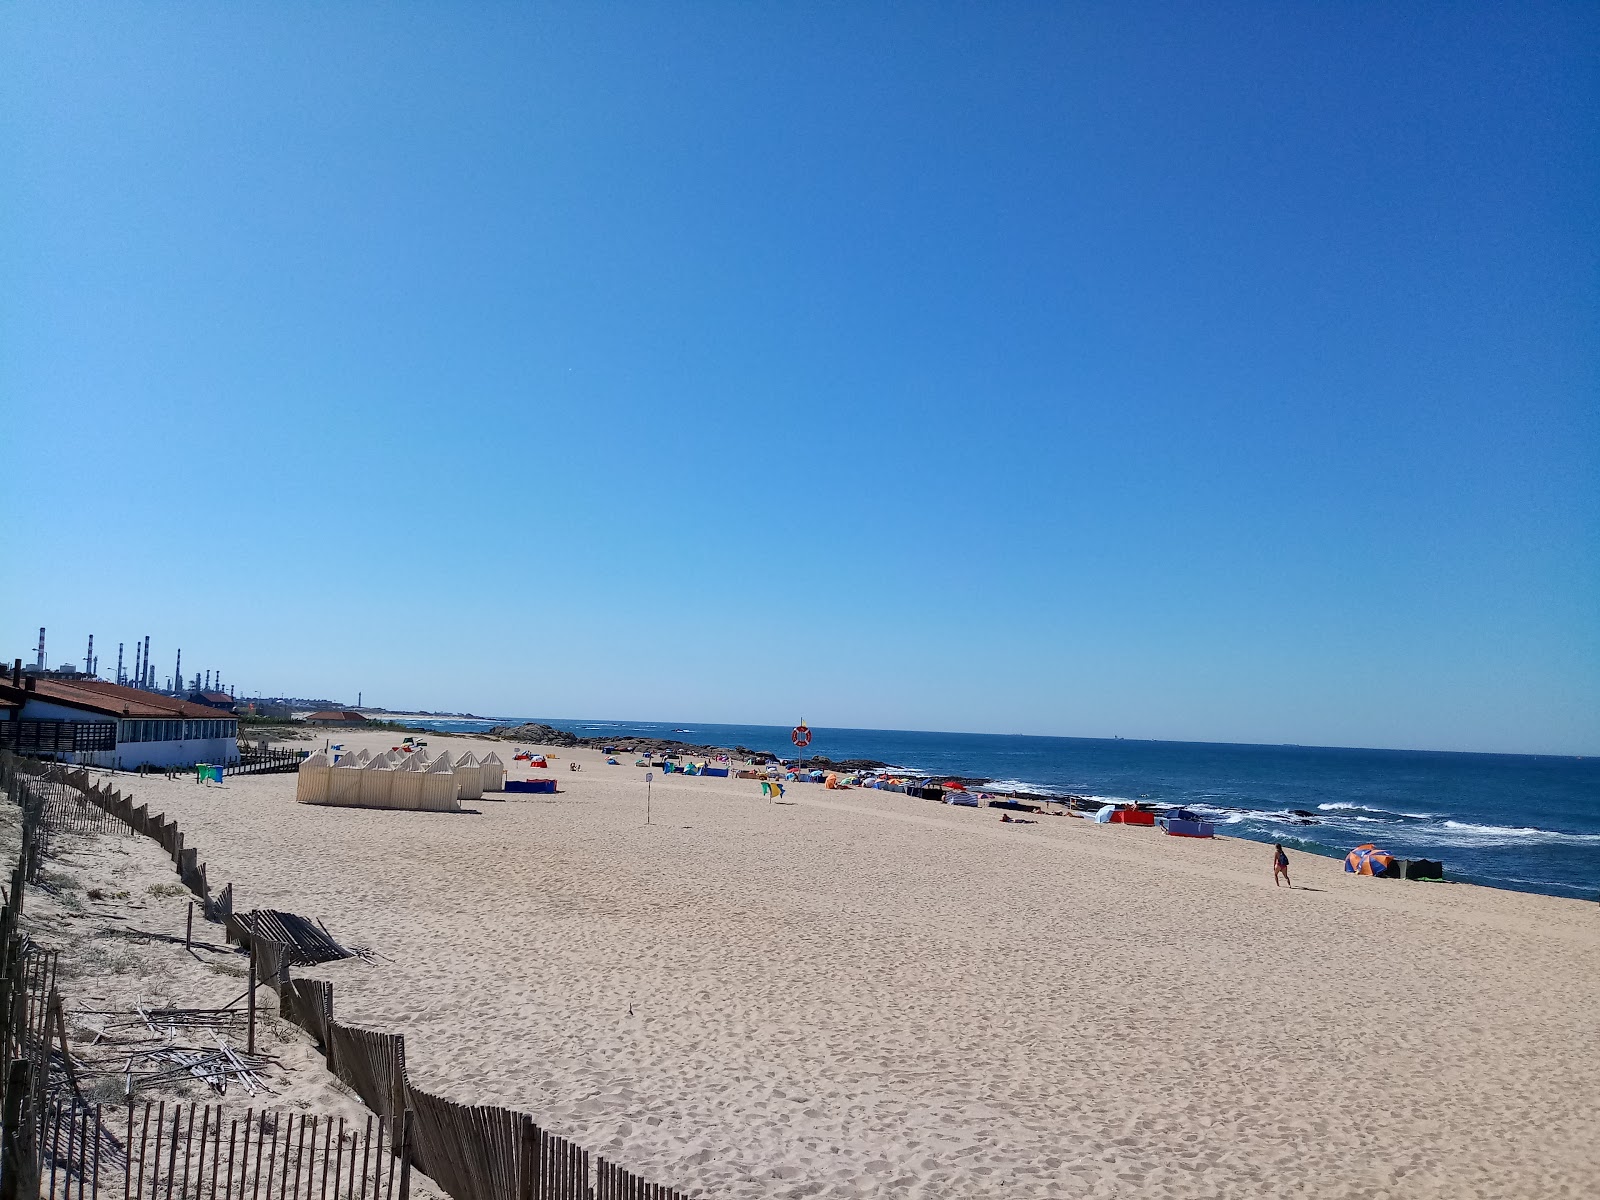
{"points": [[858, 993]]}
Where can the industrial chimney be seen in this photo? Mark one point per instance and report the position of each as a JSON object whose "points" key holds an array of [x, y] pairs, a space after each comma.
{"points": [[177, 672], [39, 662], [121, 678], [88, 659], [149, 673]]}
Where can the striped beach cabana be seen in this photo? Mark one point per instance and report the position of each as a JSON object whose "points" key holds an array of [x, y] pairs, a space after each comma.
{"points": [[312, 785], [469, 777], [377, 777], [344, 782], [494, 772], [439, 786], [405, 788]]}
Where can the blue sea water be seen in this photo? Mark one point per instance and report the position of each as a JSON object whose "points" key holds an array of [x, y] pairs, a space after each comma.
{"points": [[1530, 823]]}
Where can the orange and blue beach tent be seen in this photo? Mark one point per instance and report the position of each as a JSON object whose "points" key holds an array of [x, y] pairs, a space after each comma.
{"points": [[1367, 859]]}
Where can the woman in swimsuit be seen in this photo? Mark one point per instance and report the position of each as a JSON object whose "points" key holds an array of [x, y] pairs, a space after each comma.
{"points": [[1280, 865]]}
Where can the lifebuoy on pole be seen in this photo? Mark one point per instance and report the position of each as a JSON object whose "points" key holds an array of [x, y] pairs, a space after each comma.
{"points": [[801, 735]]}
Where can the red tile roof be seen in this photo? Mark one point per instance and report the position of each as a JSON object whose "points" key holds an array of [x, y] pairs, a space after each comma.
{"points": [[109, 699], [341, 715]]}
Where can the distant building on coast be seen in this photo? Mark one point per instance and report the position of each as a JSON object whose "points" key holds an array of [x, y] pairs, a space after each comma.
{"points": [[343, 716], [217, 700], [94, 723]]}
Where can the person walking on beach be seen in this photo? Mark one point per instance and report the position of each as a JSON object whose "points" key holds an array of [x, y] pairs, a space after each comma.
{"points": [[1280, 864]]}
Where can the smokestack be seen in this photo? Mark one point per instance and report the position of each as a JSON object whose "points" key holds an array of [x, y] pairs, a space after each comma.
{"points": [[149, 675], [39, 662], [88, 659], [16, 673], [121, 679], [177, 672], [208, 681], [138, 671]]}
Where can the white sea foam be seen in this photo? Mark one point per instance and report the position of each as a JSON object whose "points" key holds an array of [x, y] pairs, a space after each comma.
{"points": [[1465, 833], [1338, 807], [1020, 785]]}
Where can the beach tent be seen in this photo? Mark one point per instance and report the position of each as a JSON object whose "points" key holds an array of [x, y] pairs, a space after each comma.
{"points": [[439, 786], [392, 756], [377, 777], [1180, 822], [469, 777], [1103, 817], [405, 788], [1367, 859], [363, 756], [312, 785], [494, 773], [344, 782]]}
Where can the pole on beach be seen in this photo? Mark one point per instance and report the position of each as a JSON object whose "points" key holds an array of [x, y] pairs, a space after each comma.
{"points": [[251, 1048], [648, 776]]}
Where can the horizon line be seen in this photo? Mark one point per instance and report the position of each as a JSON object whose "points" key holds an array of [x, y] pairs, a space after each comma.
{"points": [[1061, 737]]}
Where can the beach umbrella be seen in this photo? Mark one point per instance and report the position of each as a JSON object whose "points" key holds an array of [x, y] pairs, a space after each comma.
{"points": [[1367, 859]]}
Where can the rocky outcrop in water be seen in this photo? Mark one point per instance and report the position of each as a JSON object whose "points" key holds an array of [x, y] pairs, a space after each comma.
{"points": [[537, 734]]}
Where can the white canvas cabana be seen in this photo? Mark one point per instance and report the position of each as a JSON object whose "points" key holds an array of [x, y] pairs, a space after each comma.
{"points": [[494, 773], [469, 777], [405, 789], [312, 785], [344, 782], [439, 786], [376, 778], [363, 757]]}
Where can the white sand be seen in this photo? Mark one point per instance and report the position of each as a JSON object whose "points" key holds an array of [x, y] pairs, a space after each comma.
{"points": [[859, 993]]}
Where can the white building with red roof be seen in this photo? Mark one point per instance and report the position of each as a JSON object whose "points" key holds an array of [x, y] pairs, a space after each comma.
{"points": [[93, 723]]}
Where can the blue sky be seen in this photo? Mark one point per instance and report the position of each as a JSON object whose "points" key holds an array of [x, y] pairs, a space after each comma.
{"points": [[1218, 372]]}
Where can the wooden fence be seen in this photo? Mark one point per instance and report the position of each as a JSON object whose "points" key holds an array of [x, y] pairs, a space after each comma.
{"points": [[266, 762], [29, 1004], [176, 1151], [473, 1152], [72, 812]]}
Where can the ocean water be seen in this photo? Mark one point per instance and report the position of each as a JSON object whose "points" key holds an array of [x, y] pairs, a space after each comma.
{"points": [[1530, 823]]}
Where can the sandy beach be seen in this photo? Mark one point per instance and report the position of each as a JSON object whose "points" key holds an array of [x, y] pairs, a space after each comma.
{"points": [[857, 993]]}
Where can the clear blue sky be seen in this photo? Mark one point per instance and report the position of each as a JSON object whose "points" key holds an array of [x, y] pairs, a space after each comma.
{"points": [[1194, 371]]}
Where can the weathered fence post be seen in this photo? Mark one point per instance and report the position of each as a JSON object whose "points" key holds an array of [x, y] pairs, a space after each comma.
{"points": [[527, 1179], [405, 1156], [285, 1000], [251, 1047], [327, 1038], [56, 1015], [14, 1167]]}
